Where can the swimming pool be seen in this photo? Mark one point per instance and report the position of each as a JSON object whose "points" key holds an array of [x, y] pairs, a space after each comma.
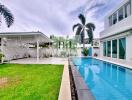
{"points": [[106, 81]]}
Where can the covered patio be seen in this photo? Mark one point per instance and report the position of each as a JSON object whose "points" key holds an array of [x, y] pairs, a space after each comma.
{"points": [[24, 45]]}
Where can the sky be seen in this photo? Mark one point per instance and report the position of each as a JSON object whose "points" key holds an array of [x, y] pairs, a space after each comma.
{"points": [[56, 17]]}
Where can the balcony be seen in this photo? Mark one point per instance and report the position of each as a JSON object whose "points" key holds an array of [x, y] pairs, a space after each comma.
{"points": [[124, 25]]}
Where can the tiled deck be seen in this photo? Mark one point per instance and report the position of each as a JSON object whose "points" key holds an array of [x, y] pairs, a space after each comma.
{"points": [[115, 61], [51, 60]]}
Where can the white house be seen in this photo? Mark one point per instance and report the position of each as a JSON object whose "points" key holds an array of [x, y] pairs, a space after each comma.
{"points": [[116, 39], [18, 45]]}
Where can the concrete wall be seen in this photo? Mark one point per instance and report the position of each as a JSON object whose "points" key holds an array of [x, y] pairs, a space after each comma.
{"points": [[125, 24], [97, 51], [14, 52], [12, 49], [129, 48], [101, 49]]}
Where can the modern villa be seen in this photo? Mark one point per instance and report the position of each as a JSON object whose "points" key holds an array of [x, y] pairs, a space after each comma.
{"points": [[116, 38], [36, 67]]}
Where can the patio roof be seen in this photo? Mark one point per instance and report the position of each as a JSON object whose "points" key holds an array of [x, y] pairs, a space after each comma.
{"points": [[37, 35]]}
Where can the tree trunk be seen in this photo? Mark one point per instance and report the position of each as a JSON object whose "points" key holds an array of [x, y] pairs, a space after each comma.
{"points": [[83, 39]]}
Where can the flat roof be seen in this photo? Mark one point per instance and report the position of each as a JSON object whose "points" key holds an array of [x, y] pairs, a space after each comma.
{"points": [[8, 34], [19, 33]]}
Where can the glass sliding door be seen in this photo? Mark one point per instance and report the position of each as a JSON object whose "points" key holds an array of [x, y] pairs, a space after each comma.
{"points": [[122, 48], [108, 48], [114, 48], [104, 48]]}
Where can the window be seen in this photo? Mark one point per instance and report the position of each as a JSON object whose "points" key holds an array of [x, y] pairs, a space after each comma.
{"points": [[110, 20], [115, 18], [120, 14], [108, 48], [114, 48], [104, 48], [127, 9], [122, 48]]}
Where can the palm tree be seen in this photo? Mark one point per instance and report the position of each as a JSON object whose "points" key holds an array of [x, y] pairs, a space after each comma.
{"points": [[84, 27], [9, 19]]}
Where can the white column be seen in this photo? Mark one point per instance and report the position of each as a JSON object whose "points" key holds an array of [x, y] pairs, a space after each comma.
{"points": [[131, 7], [2, 49], [106, 49], [37, 50], [117, 17], [123, 12], [117, 48], [111, 48]]}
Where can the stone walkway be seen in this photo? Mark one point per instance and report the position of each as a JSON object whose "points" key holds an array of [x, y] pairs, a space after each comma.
{"points": [[51, 60]]}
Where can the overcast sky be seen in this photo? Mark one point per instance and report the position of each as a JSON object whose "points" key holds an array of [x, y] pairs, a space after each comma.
{"points": [[56, 16]]}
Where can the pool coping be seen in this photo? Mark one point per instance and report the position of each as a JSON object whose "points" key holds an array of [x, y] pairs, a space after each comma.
{"points": [[65, 90], [114, 62], [83, 92]]}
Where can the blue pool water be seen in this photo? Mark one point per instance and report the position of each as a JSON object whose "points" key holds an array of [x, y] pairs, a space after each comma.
{"points": [[106, 81]]}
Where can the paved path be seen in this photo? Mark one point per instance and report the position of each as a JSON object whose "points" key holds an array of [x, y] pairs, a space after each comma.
{"points": [[51, 60]]}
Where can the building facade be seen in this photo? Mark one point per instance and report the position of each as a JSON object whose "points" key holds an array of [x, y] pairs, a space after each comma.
{"points": [[116, 39]]}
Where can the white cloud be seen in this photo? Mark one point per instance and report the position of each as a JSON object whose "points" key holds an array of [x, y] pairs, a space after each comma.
{"points": [[51, 16]]}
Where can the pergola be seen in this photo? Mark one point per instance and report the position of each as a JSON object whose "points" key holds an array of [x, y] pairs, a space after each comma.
{"points": [[23, 39]]}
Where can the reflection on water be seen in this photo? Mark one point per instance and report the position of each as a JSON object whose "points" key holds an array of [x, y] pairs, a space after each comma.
{"points": [[106, 81]]}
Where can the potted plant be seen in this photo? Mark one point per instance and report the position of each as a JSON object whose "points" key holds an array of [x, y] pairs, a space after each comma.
{"points": [[95, 55], [85, 52]]}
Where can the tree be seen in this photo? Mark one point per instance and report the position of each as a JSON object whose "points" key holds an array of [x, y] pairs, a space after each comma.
{"points": [[84, 27], [5, 12]]}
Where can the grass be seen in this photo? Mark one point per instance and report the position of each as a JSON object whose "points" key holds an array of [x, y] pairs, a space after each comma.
{"points": [[30, 82]]}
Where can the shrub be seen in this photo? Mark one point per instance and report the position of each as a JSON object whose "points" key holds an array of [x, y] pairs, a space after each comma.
{"points": [[85, 52], [1, 55]]}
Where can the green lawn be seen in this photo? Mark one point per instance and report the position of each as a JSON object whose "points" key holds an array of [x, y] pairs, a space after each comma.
{"points": [[30, 82]]}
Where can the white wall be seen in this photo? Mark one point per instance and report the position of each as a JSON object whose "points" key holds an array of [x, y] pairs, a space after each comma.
{"points": [[14, 52], [97, 51], [121, 26], [129, 48], [12, 49], [101, 49]]}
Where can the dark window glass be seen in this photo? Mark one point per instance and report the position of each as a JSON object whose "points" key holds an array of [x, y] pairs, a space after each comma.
{"points": [[114, 18], [120, 14], [109, 49], [114, 48], [122, 48], [127, 9], [104, 48]]}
